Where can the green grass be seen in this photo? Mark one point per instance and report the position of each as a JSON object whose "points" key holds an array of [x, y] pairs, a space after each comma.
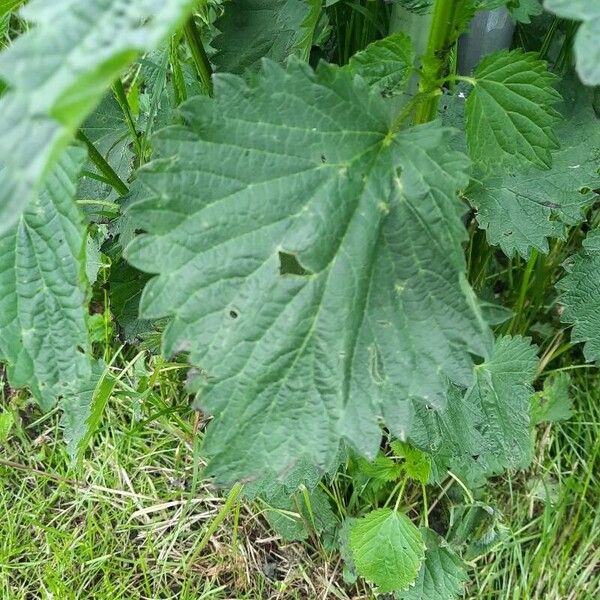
{"points": [[128, 522], [553, 550]]}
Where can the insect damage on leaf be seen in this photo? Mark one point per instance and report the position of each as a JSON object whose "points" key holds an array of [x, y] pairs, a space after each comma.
{"points": [[377, 228]]}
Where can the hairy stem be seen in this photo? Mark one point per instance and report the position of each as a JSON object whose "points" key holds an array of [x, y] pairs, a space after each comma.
{"points": [[442, 36]]}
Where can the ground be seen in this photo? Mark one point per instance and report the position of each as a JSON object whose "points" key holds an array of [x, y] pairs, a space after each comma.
{"points": [[129, 520]]}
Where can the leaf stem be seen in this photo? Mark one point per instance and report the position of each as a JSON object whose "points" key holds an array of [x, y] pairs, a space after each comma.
{"points": [[230, 503], [192, 36], [100, 162], [121, 98], [400, 493], [464, 488]]}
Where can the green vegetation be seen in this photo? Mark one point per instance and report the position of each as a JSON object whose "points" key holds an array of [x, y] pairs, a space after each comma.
{"points": [[293, 307]]}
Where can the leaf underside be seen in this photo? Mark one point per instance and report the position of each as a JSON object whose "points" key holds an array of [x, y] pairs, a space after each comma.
{"points": [[43, 291], [300, 168], [57, 72]]}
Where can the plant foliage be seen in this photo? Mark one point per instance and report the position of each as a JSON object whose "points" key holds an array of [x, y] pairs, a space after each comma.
{"points": [[57, 72], [304, 234]]}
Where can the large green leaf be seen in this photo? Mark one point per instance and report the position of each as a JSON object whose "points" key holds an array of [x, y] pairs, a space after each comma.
{"points": [[311, 261], [521, 209], [57, 72], [442, 575], [581, 296], [509, 113], [387, 549], [256, 29], [43, 330], [587, 48]]}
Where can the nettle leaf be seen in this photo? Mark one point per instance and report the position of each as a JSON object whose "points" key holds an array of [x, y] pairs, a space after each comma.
{"points": [[587, 49], [386, 64], [502, 390], [520, 210], [311, 261], [581, 296], [57, 72], [486, 429], [417, 464], [522, 10], [509, 112], [83, 409], [442, 575], [43, 290], [256, 29], [387, 549], [553, 402], [294, 517]]}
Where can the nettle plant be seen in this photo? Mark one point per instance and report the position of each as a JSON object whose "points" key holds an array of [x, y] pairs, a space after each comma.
{"points": [[348, 255]]}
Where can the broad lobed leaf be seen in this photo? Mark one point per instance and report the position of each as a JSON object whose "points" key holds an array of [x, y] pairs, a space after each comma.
{"points": [[57, 72], [311, 261]]}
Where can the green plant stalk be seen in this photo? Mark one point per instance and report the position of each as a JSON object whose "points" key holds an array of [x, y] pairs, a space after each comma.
{"points": [[229, 505], [179, 90], [121, 97], [192, 36], [441, 38], [108, 172], [523, 290]]}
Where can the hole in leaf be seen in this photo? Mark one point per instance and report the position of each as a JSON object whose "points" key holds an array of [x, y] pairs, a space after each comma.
{"points": [[585, 190], [234, 314], [289, 265], [477, 360], [140, 231]]}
